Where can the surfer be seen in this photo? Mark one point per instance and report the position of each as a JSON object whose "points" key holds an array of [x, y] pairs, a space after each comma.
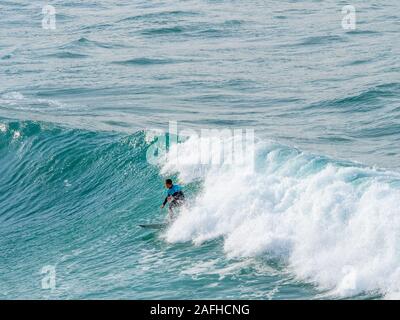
{"points": [[175, 197]]}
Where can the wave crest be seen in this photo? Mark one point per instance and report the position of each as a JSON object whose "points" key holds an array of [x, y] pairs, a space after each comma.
{"points": [[334, 224]]}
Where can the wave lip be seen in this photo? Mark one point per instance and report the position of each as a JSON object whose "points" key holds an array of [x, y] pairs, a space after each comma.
{"points": [[67, 55], [86, 43], [156, 16], [143, 61], [162, 31], [333, 224]]}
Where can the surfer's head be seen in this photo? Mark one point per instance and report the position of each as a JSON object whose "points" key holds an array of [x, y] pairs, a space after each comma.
{"points": [[168, 183]]}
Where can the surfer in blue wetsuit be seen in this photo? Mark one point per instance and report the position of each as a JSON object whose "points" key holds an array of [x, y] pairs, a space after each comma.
{"points": [[175, 197]]}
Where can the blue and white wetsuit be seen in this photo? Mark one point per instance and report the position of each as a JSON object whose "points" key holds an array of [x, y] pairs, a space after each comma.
{"points": [[177, 194]]}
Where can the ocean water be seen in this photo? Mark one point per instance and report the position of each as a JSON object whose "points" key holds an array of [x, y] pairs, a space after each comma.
{"points": [[316, 218]]}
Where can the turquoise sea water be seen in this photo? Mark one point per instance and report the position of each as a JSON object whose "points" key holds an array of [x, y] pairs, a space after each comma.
{"points": [[319, 216]]}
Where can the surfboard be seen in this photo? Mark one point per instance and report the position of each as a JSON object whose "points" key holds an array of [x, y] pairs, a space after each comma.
{"points": [[154, 226]]}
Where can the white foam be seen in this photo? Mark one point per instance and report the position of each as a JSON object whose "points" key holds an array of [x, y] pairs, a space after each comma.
{"points": [[152, 134], [13, 96], [51, 103], [334, 230], [20, 102]]}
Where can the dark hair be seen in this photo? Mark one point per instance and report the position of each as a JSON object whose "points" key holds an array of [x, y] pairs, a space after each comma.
{"points": [[168, 181]]}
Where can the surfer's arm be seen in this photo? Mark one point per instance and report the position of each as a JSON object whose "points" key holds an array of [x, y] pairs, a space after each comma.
{"points": [[165, 202]]}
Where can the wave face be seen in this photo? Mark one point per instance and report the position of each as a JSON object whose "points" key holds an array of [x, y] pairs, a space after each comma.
{"points": [[68, 198], [295, 225], [333, 224]]}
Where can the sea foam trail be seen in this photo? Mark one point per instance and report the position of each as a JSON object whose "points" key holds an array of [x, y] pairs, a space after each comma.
{"points": [[334, 224]]}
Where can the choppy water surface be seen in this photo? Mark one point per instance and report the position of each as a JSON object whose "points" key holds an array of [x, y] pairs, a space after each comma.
{"points": [[319, 217]]}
